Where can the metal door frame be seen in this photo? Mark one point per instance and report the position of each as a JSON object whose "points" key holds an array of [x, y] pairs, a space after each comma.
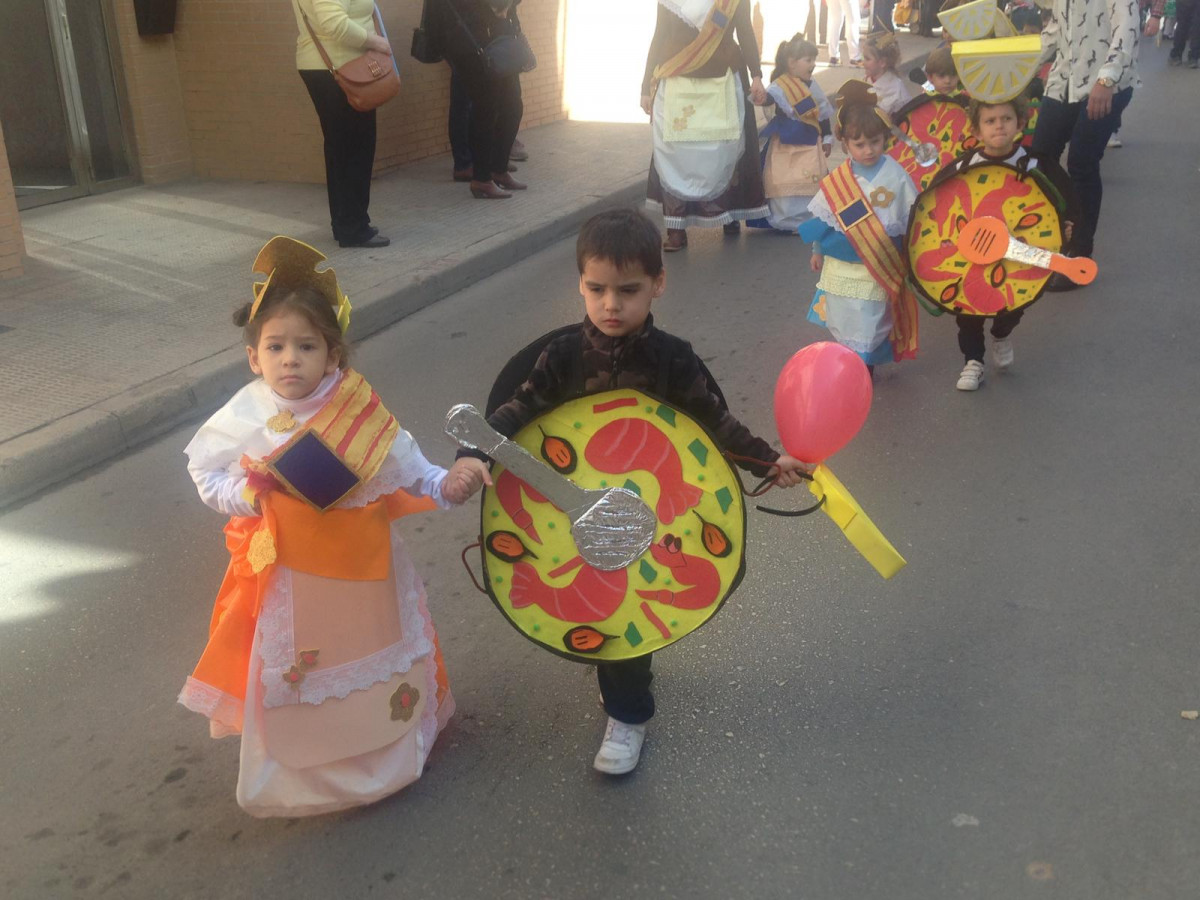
{"points": [[79, 149]]}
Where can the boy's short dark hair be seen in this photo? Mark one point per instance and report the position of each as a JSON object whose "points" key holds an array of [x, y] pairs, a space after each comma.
{"points": [[1019, 104], [1026, 17], [623, 237], [940, 62]]}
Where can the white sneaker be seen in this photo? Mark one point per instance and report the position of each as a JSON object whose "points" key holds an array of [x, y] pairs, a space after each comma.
{"points": [[1115, 142], [622, 748], [972, 375], [1002, 352]]}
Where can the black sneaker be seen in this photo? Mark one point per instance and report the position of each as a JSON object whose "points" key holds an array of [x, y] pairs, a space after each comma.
{"points": [[732, 227], [1174, 60]]}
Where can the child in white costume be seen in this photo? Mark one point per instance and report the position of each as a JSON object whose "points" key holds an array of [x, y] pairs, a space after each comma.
{"points": [[855, 299], [881, 55], [321, 649]]}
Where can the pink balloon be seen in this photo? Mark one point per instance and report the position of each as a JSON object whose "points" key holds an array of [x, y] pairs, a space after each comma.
{"points": [[822, 398]]}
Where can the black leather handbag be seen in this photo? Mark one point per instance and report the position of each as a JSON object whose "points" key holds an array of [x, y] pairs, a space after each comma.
{"points": [[509, 54], [425, 48]]}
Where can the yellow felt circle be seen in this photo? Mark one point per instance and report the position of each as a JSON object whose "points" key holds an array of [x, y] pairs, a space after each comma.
{"points": [[622, 439], [941, 273]]}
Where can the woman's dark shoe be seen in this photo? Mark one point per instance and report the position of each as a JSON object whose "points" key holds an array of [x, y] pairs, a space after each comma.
{"points": [[485, 190], [371, 239], [732, 228], [676, 240], [509, 183]]}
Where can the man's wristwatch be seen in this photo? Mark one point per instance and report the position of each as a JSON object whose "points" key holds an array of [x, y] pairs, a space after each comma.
{"points": [[1106, 82]]}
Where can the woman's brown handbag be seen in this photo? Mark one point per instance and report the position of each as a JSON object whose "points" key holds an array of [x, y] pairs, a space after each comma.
{"points": [[368, 81]]}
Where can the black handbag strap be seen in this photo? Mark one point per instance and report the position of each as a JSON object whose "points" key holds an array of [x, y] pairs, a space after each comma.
{"points": [[466, 29]]}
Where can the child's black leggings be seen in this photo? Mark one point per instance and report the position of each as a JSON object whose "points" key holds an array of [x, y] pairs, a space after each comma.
{"points": [[625, 689], [970, 331]]}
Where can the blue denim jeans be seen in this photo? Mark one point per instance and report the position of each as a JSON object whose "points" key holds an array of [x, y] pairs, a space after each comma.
{"points": [[1061, 123]]}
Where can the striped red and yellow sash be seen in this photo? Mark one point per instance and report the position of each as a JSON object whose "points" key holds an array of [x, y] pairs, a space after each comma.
{"points": [[801, 99], [866, 235], [700, 50], [356, 426]]}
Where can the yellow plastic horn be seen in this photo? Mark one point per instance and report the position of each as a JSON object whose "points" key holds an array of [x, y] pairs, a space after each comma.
{"points": [[868, 540]]}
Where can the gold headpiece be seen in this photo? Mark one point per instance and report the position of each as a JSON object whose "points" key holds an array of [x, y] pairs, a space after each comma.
{"points": [[881, 39], [857, 92], [288, 264]]}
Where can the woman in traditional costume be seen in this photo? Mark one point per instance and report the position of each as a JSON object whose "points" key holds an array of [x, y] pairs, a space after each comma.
{"points": [[321, 651], [705, 171]]}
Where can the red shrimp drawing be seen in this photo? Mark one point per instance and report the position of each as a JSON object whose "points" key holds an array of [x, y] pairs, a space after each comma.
{"points": [[700, 577], [508, 489], [591, 597], [624, 445]]}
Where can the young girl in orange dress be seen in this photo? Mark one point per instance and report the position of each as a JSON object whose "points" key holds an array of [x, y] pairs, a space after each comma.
{"points": [[321, 650]]}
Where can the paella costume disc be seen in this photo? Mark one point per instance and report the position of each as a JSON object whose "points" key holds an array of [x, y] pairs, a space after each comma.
{"points": [[937, 119], [622, 439], [1023, 197]]}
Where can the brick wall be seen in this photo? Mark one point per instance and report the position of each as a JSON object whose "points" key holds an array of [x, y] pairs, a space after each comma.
{"points": [[249, 117], [152, 83], [12, 244]]}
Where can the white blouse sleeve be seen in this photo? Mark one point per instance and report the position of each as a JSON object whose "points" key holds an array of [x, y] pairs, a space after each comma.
{"points": [[417, 474], [214, 454], [221, 490], [775, 92], [405, 468]]}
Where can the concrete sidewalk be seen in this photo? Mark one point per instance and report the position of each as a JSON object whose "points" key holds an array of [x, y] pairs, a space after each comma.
{"points": [[120, 328]]}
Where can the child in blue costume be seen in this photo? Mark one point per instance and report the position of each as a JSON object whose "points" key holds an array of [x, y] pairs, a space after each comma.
{"points": [[797, 140], [851, 299]]}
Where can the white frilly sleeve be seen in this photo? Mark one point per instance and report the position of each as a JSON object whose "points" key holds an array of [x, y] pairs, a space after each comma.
{"points": [[406, 468], [214, 453]]}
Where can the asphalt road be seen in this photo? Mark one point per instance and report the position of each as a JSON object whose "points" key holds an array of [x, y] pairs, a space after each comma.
{"points": [[1002, 720]]}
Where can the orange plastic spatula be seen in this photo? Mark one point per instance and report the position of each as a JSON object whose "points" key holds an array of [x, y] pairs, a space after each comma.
{"points": [[986, 239]]}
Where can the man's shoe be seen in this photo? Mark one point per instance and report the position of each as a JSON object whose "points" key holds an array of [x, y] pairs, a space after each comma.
{"points": [[732, 228], [509, 183], [518, 152], [370, 239], [485, 190], [621, 749], [464, 174], [1174, 60], [1058, 283], [1114, 142], [676, 240], [1194, 64], [971, 376], [1002, 352]]}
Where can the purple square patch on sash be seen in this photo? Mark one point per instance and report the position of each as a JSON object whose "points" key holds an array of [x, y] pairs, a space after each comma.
{"points": [[314, 471], [720, 19], [854, 213]]}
